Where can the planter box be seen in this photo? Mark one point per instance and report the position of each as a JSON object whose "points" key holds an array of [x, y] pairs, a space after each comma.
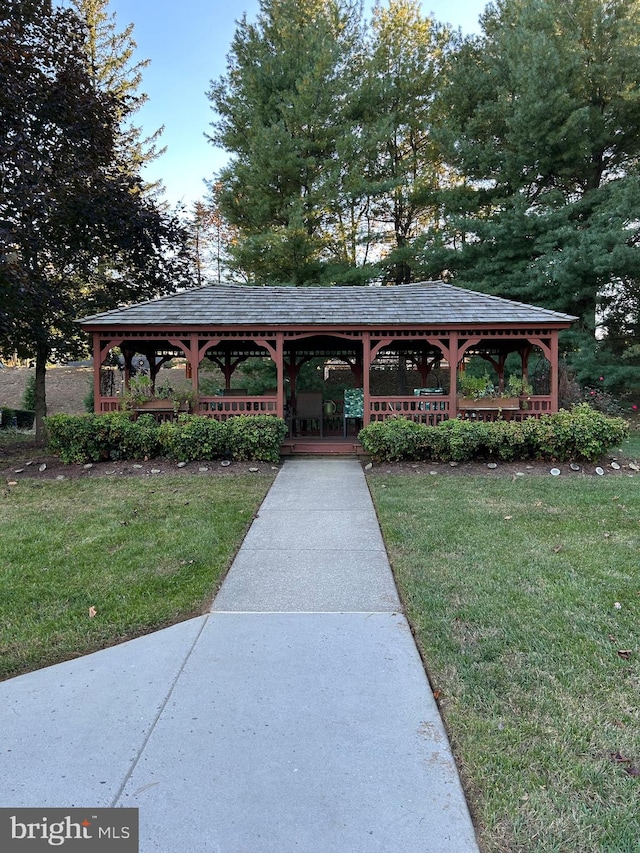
{"points": [[158, 405], [492, 403]]}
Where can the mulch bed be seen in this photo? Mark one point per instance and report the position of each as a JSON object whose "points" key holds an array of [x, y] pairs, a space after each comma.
{"points": [[27, 459]]}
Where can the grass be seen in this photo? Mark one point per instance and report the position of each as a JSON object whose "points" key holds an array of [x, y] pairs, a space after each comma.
{"points": [[631, 447], [511, 587], [143, 553], [12, 441]]}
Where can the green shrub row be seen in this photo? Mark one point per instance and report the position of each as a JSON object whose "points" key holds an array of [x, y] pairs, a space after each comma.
{"points": [[581, 433], [96, 438], [23, 419]]}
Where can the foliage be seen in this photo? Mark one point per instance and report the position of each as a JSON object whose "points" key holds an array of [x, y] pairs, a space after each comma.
{"points": [[29, 395], [211, 240], [581, 433], [76, 236], [395, 439], [334, 173], [540, 124], [139, 391], [193, 438], [181, 394], [395, 110], [23, 419], [88, 401], [129, 439], [278, 114], [481, 387], [517, 386], [110, 58], [475, 386], [255, 437], [96, 438], [77, 438]]}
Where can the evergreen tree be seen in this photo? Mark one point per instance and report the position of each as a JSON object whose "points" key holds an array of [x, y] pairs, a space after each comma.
{"points": [[114, 69], [279, 113], [65, 202], [542, 117], [398, 109]]}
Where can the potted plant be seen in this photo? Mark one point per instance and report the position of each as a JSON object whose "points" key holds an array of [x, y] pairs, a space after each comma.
{"points": [[182, 397], [518, 387], [139, 393], [479, 392]]}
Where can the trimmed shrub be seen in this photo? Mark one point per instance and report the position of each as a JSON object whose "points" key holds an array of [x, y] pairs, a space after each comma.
{"points": [[77, 438], [461, 441], [130, 439], [581, 433], [255, 437], [192, 438], [23, 419], [396, 439], [96, 438]]}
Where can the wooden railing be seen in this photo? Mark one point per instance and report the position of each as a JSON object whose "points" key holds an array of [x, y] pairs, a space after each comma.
{"points": [[422, 410], [109, 404], [538, 405], [222, 408], [426, 410], [219, 408], [529, 407], [434, 410]]}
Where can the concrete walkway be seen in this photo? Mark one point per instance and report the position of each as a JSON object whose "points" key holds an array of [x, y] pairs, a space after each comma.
{"points": [[294, 717]]}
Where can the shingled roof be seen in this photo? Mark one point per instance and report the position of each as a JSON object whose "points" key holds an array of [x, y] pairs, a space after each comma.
{"points": [[428, 302]]}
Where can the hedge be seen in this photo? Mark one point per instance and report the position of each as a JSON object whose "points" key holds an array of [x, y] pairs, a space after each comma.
{"points": [[97, 438], [23, 419], [579, 434]]}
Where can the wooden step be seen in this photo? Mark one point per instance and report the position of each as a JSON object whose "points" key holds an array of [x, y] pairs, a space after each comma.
{"points": [[321, 447]]}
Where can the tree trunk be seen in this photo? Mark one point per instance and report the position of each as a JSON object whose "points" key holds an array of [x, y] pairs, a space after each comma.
{"points": [[42, 355]]}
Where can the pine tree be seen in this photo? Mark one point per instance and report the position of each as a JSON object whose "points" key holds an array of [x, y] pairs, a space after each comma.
{"points": [[279, 113], [114, 69], [542, 123], [398, 110]]}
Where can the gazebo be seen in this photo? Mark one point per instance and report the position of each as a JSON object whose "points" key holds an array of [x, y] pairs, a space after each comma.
{"points": [[429, 325]]}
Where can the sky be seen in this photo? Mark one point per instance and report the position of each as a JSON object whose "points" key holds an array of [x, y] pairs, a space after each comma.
{"points": [[187, 43]]}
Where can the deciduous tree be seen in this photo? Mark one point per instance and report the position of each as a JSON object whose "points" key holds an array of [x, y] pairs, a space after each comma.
{"points": [[65, 202]]}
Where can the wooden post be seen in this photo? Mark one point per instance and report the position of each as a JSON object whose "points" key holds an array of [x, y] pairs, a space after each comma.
{"points": [[280, 373], [194, 361], [555, 369], [366, 376], [453, 374], [97, 365]]}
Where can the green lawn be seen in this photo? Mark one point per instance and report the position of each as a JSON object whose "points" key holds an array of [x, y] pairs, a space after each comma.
{"points": [[144, 553], [523, 595], [631, 447]]}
